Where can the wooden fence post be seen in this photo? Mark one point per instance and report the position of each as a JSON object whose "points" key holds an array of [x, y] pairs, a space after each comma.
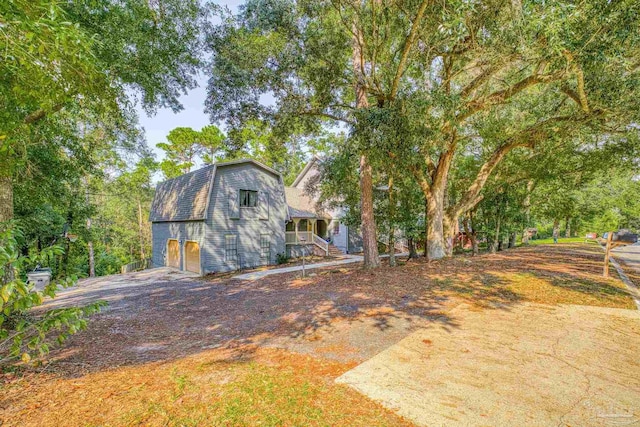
{"points": [[606, 254]]}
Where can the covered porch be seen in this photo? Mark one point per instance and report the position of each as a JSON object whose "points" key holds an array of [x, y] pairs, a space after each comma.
{"points": [[300, 231], [308, 231]]}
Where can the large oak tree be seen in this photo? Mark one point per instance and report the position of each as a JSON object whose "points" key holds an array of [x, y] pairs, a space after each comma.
{"points": [[487, 77]]}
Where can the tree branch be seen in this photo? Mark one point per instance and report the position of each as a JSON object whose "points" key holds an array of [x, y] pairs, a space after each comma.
{"points": [[472, 197], [525, 138], [407, 48], [326, 115], [500, 96], [422, 180], [41, 114], [581, 97], [479, 80]]}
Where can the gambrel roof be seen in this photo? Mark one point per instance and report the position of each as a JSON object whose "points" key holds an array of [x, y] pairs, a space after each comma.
{"points": [[186, 198]]}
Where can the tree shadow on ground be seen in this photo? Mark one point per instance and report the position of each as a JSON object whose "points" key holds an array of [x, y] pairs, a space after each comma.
{"points": [[347, 312]]}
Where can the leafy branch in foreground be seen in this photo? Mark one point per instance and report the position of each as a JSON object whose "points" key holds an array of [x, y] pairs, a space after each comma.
{"points": [[24, 333]]}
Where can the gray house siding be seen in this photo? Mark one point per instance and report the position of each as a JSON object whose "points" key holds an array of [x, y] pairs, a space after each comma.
{"points": [[226, 218], [340, 239], [182, 231], [355, 240]]}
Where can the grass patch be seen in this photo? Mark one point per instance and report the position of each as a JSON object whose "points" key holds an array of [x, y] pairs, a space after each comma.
{"points": [[560, 289], [549, 241], [271, 388]]}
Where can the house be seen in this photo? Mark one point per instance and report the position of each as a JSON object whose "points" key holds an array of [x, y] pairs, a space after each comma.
{"points": [[219, 218], [307, 217], [238, 214]]}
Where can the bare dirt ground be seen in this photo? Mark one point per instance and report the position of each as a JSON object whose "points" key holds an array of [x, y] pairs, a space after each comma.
{"points": [[217, 332]]}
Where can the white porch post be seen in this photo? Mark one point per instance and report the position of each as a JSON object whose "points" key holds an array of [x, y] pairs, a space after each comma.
{"points": [[313, 226], [295, 223]]}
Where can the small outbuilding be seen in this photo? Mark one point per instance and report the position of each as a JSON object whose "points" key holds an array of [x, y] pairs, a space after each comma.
{"points": [[223, 217]]}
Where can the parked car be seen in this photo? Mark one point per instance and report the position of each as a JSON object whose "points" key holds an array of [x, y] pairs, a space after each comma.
{"points": [[621, 236], [591, 236]]}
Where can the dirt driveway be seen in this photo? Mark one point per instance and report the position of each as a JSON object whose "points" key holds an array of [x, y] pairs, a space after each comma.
{"points": [[157, 320]]}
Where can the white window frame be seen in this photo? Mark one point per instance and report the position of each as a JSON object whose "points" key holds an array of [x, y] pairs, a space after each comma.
{"points": [[265, 237], [231, 254], [248, 192]]}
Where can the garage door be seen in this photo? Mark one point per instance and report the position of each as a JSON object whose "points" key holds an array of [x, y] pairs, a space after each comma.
{"points": [[173, 254], [192, 257]]}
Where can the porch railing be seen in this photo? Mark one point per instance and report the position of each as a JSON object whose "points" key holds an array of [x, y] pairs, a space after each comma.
{"points": [[306, 238], [303, 237], [321, 243]]}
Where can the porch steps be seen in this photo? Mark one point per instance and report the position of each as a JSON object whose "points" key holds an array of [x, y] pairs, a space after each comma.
{"points": [[334, 251]]}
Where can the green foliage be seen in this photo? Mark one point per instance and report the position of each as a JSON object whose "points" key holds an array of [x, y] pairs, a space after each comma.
{"points": [[23, 333], [181, 151], [282, 258], [452, 89], [69, 76]]}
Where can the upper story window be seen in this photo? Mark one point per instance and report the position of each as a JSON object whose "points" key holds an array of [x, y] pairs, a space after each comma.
{"points": [[248, 199]]}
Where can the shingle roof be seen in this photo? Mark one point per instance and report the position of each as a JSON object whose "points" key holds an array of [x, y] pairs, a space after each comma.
{"points": [[183, 198], [186, 197], [300, 204]]}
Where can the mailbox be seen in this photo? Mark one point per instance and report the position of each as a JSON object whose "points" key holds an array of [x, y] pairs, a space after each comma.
{"points": [[39, 277]]}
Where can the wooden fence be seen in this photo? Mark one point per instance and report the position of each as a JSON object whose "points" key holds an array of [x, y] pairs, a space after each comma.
{"points": [[135, 266]]}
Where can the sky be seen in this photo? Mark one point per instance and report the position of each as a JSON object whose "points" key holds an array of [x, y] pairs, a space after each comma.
{"points": [[158, 125]]}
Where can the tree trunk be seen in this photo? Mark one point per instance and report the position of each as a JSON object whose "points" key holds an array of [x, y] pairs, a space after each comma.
{"points": [[471, 234], [426, 226], [512, 240], [526, 204], [92, 261], [556, 230], [497, 244], [435, 225], [6, 198], [140, 230], [392, 229], [568, 229], [450, 226], [369, 240], [412, 248]]}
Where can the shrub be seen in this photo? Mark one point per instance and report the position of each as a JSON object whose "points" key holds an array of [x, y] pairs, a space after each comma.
{"points": [[24, 334], [282, 258]]}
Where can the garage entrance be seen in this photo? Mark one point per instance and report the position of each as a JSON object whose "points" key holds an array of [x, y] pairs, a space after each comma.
{"points": [[192, 257], [173, 253]]}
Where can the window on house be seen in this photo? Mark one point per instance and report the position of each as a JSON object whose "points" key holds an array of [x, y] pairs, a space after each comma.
{"points": [[336, 228], [231, 248], [265, 246], [248, 199]]}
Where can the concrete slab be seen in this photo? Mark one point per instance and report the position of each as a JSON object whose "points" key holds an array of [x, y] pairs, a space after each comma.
{"points": [[526, 365], [347, 259]]}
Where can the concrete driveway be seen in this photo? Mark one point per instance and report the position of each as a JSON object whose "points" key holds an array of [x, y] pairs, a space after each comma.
{"points": [[528, 365], [630, 255]]}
